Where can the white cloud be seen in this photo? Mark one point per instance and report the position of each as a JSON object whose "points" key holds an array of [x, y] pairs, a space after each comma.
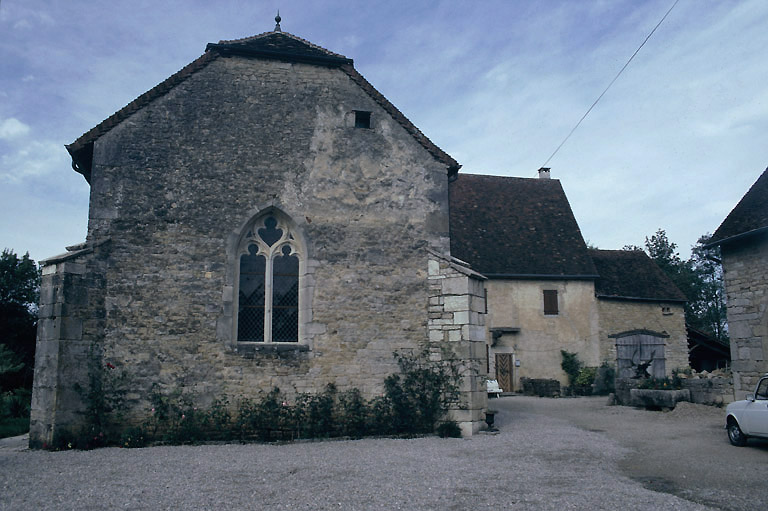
{"points": [[12, 128], [25, 17], [32, 159]]}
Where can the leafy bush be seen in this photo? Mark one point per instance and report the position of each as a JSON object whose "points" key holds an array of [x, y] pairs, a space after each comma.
{"points": [[219, 419], [605, 380], [586, 376], [449, 429], [355, 415], [15, 404], [571, 365], [414, 402], [319, 413], [423, 392], [176, 419], [659, 384], [103, 397], [133, 438], [13, 426]]}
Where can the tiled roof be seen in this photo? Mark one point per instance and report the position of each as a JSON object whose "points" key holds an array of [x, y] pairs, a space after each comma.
{"points": [[750, 214], [275, 45], [516, 227], [631, 274], [279, 45]]}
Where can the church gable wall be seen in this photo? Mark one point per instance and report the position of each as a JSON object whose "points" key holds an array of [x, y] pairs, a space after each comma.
{"points": [[173, 184]]}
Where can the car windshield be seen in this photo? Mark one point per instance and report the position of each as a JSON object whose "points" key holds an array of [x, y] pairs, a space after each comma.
{"points": [[762, 389]]}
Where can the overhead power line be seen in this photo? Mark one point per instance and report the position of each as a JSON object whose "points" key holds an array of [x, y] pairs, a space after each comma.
{"points": [[612, 82]]}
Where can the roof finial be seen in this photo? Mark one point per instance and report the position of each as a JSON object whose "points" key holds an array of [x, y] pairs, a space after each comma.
{"points": [[277, 22]]}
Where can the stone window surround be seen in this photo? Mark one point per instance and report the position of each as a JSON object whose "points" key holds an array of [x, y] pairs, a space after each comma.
{"points": [[363, 119], [236, 245], [352, 118]]}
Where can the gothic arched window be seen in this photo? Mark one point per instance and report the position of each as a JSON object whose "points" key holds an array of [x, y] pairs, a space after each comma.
{"points": [[268, 284]]}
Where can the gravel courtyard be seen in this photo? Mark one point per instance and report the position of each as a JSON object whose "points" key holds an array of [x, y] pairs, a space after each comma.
{"points": [[550, 454]]}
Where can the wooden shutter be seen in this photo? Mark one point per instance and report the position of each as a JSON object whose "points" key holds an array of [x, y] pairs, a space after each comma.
{"points": [[550, 302]]}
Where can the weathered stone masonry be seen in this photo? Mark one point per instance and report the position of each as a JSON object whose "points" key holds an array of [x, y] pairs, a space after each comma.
{"points": [[172, 186], [746, 280], [70, 322], [457, 330], [667, 318]]}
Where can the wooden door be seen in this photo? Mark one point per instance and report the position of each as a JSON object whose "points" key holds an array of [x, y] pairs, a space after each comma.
{"points": [[504, 371], [640, 353]]}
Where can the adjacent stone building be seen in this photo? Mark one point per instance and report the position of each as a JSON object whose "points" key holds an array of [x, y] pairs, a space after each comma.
{"points": [[743, 241], [547, 292], [264, 217]]}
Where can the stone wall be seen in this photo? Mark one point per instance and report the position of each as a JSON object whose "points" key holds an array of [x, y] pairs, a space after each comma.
{"points": [[715, 390], [619, 316], [70, 323], [172, 185], [704, 389], [540, 387], [745, 272], [457, 330]]}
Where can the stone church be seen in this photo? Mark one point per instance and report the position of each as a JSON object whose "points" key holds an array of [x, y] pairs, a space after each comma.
{"points": [[265, 217]]}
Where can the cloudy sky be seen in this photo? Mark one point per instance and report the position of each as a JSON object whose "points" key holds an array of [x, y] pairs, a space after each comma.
{"points": [[674, 144]]}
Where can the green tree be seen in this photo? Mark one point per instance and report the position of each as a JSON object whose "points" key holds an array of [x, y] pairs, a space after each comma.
{"points": [[665, 255], [9, 362], [699, 278], [19, 288], [709, 307]]}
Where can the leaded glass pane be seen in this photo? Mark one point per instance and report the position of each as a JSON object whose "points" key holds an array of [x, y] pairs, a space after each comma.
{"points": [[270, 233], [250, 316], [285, 297]]}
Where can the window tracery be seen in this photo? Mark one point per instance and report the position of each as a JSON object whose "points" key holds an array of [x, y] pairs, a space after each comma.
{"points": [[268, 282]]}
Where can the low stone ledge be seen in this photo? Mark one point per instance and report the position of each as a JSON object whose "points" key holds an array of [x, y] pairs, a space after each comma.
{"points": [[250, 350]]}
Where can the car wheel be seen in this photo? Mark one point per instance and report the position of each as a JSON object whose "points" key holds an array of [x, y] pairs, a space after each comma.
{"points": [[735, 435]]}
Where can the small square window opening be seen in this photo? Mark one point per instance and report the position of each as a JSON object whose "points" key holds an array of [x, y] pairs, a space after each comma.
{"points": [[362, 119]]}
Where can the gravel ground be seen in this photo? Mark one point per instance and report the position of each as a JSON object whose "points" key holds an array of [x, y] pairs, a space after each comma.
{"points": [[535, 462], [684, 452]]}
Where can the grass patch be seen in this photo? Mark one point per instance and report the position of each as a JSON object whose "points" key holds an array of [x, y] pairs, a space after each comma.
{"points": [[14, 426]]}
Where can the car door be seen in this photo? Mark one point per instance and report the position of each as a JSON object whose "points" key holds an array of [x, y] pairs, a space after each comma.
{"points": [[756, 412]]}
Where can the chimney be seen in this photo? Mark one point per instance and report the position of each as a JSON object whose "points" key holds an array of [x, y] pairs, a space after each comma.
{"points": [[544, 173]]}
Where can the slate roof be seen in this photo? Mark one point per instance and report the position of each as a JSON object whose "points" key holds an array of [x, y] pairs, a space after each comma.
{"points": [[272, 45], [279, 45], [511, 227], [631, 274], [750, 215]]}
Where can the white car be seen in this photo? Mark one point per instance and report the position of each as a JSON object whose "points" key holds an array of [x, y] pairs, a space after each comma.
{"points": [[749, 418]]}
